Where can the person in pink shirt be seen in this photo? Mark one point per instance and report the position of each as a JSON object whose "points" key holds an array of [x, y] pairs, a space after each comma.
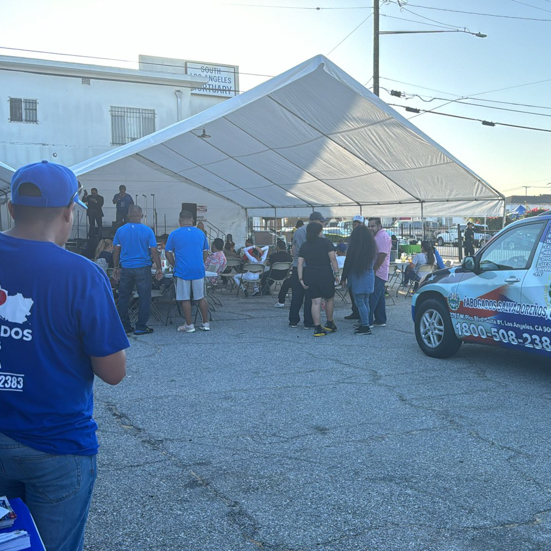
{"points": [[377, 306]]}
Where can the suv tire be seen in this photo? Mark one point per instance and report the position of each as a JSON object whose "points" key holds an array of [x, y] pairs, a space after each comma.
{"points": [[440, 241], [434, 330]]}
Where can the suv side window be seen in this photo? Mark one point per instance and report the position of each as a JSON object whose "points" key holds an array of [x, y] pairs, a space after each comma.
{"points": [[513, 250]]}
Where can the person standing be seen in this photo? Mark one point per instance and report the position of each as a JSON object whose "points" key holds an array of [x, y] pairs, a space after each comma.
{"points": [[187, 249], [318, 273], [95, 212], [123, 202], [298, 297], [469, 240], [357, 221], [61, 331], [135, 245], [377, 305], [358, 270]]}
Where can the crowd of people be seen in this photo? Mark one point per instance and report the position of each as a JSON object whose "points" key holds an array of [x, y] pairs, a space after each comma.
{"points": [[65, 299]]}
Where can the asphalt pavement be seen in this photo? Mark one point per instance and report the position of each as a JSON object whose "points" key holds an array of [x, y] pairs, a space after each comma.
{"points": [[258, 436]]}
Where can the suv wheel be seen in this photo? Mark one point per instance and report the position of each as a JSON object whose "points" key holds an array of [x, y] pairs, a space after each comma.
{"points": [[434, 330], [440, 241]]}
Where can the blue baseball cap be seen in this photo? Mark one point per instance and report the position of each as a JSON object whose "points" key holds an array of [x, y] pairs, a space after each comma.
{"points": [[58, 186]]}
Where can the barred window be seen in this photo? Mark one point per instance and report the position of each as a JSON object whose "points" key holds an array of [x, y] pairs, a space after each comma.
{"points": [[129, 124], [23, 110]]}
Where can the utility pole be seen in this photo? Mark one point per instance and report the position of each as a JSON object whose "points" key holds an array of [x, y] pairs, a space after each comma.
{"points": [[376, 47]]}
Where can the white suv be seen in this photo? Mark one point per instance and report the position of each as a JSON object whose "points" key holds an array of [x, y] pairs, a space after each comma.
{"points": [[499, 297]]}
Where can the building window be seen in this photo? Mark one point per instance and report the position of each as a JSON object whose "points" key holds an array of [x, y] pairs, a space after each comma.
{"points": [[129, 124], [23, 110]]}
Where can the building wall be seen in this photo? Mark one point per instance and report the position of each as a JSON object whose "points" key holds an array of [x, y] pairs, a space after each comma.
{"points": [[74, 120]]}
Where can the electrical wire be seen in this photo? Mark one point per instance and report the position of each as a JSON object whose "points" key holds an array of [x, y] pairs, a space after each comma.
{"points": [[349, 34], [484, 122], [301, 7], [530, 6], [420, 22], [81, 56], [481, 14]]}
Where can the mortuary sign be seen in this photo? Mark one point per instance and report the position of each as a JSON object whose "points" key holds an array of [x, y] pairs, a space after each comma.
{"points": [[223, 79]]}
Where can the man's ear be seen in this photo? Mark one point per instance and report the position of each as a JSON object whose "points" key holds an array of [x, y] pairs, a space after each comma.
{"points": [[10, 209], [67, 213]]}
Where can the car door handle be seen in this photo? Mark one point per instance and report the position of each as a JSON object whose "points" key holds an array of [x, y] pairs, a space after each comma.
{"points": [[512, 279]]}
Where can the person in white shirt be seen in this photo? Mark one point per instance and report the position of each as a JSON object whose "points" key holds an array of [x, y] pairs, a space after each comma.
{"points": [[341, 254], [254, 256]]}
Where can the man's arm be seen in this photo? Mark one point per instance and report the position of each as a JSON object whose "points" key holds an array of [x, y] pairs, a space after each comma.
{"points": [[99, 201], [169, 257], [115, 199], [116, 256], [379, 261], [205, 254], [110, 369]]}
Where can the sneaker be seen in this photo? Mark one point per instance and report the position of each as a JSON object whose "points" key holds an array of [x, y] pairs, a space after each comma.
{"points": [[293, 325], [279, 305], [256, 294], [129, 330], [145, 331], [205, 326], [378, 324], [319, 331], [352, 317], [309, 327], [187, 328], [330, 327], [363, 330]]}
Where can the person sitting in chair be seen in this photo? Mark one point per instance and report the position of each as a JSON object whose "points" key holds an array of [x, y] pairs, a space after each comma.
{"points": [[281, 255], [216, 260], [254, 256], [426, 256]]}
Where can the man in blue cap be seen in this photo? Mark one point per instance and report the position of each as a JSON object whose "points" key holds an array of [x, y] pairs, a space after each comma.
{"points": [[58, 329]]}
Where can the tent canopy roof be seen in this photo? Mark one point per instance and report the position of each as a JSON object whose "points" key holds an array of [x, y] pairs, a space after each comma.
{"points": [[311, 138]]}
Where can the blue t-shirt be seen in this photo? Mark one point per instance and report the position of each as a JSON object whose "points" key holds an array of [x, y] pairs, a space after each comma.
{"points": [[187, 244], [135, 241], [123, 203], [56, 310]]}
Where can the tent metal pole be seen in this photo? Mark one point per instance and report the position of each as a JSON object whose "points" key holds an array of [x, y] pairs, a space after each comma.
{"points": [[423, 221], [504, 218]]}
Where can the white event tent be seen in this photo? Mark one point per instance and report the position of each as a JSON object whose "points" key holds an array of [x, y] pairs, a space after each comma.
{"points": [[309, 139]]}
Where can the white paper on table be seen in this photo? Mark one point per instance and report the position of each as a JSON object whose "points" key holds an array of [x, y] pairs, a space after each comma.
{"points": [[3, 512]]}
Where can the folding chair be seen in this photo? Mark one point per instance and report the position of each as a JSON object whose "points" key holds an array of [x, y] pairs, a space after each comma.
{"points": [[341, 291], [251, 268], [279, 272], [424, 270], [235, 265], [211, 286]]}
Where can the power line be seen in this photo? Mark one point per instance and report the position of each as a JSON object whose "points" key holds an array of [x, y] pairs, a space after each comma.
{"points": [[481, 14], [530, 6], [81, 56], [484, 122], [349, 34], [301, 7], [420, 22]]}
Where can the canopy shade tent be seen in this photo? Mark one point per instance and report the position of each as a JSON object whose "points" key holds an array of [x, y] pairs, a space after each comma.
{"points": [[309, 139], [6, 173]]}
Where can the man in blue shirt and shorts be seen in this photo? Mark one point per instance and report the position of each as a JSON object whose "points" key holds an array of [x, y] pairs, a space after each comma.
{"points": [[58, 329], [187, 249], [135, 244]]}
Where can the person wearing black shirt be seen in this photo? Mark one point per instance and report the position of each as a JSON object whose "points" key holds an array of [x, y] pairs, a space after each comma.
{"points": [[95, 211], [469, 240], [281, 255], [318, 272]]}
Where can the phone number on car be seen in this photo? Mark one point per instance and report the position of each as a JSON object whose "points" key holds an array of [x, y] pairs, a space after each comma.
{"points": [[502, 335]]}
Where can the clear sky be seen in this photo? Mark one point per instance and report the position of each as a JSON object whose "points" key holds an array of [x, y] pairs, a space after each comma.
{"points": [[267, 37]]}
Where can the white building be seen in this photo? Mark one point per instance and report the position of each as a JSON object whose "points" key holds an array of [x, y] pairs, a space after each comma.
{"points": [[70, 112]]}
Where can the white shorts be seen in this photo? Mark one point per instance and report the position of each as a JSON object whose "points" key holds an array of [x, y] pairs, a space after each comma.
{"points": [[184, 288]]}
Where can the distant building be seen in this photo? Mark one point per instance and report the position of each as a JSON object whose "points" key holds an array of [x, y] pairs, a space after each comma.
{"points": [[531, 201], [70, 112]]}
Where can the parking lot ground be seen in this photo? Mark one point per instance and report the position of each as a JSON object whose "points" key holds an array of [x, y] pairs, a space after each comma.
{"points": [[259, 436]]}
